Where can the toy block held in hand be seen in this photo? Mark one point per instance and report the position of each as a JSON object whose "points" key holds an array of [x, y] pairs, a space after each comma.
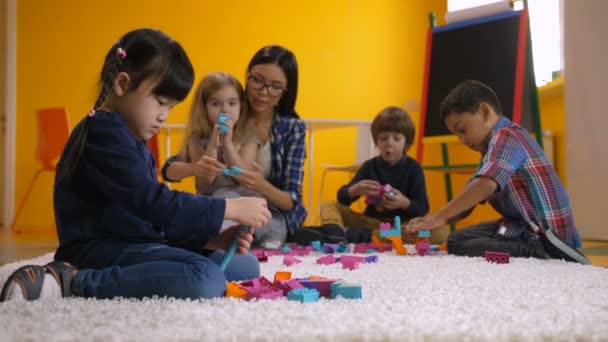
{"points": [[221, 120], [385, 189], [497, 257]]}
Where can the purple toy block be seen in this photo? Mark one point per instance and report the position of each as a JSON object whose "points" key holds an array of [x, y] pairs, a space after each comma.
{"points": [[371, 258], [323, 286], [288, 260], [497, 257], [351, 265], [329, 248], [327, 260]]}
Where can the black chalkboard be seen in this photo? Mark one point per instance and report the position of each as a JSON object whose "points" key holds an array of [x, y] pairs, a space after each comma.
{"points": [[488, 50]]}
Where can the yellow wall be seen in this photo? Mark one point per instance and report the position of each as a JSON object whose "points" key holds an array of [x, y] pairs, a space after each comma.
{"points": [[355, 57]]}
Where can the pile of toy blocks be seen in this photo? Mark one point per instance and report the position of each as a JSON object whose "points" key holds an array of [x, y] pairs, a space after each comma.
{"points": [[304, 290]]}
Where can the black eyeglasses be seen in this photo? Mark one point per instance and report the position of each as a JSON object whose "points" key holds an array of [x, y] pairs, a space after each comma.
{"points": [[258, 84]]}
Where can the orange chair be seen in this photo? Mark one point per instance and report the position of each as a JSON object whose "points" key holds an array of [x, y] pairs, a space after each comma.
{"points": [[153, 147], [53, 133]]}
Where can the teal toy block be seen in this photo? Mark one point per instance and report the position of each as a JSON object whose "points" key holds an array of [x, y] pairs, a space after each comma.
{"points": [[303, 295], [316, 245], [346, 290], [424, 233]]}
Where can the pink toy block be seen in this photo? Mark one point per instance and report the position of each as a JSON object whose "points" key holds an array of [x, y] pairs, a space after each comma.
{"points": [[497, 257], [256, 283], [351, 265], [385, 226], [264, 293], [271, 252], [350, 258], [422, 247], [327, 259], [288, 260], [288, 285], [258, 252]]}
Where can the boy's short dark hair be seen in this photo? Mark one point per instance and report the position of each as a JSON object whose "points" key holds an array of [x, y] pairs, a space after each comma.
{"points": [[467, 96], [394, 119]]}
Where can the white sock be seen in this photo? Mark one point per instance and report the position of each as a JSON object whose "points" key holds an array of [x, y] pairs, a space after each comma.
{"points": [[50, 288]]}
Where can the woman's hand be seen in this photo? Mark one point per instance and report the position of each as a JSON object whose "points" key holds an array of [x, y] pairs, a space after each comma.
{"points": [[253, 179], [207, 166]]}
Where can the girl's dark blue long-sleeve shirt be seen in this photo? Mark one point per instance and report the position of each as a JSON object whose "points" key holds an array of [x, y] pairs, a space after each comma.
{"points": [[113, 200], [406, 175]]}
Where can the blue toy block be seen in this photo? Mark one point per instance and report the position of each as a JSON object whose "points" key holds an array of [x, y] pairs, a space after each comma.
{"points": [[304, 295], [397, 223], [341, 248], [316, 245], [285, 249], [222, 118], [236, 170], [434, 248], [228, 172], [345, 290], [424, 233], [371, 250], [230, 251]]}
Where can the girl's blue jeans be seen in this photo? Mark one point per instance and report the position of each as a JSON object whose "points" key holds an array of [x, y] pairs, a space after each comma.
{"points": [[147, 270]]}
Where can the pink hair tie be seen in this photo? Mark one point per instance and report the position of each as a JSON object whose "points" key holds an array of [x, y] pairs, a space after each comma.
{"points": [[91, 113], [121, 52]]}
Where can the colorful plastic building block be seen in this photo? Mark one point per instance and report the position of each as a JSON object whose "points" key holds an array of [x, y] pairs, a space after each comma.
{"points": [[423, 243], [281, 275], [264, 293], [304, 295], [285, 249], [221, 120], [346, 290], [497, 257], [371, 258], [329, 248], [327, 259], [395, 231], [377, 198], [321, 285], [351, 264], [288, 260], [231, 250], [316, 245], [348, 258], [234, 290], [288, 285], [341, 248]]}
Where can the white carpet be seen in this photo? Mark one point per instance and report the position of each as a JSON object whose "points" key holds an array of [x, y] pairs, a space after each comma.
{"points": [[404, 298]]}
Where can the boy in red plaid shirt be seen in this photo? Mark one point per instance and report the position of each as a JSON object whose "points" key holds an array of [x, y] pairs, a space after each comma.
{"points": [[514, 176]]}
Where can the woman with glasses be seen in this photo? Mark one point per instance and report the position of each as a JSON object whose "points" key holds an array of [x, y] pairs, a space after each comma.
{"points": [[271, 91], [272, 88]]}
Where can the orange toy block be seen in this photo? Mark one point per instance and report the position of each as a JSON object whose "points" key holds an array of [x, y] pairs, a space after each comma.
{"points": [[398, 245], [443, 247], [234, 290], [281, 275]]}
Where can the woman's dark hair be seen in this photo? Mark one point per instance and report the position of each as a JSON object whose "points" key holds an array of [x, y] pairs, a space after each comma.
{"points": [[394, 119], [143, 54], [286, 60]]}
